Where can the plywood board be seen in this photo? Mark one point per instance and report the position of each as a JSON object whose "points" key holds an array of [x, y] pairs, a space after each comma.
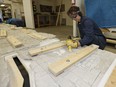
{"points": [[111, 41], [27, 31], [36, 36], [59, 66], [16, 79], [36, 51], [112, 79], [14, 41], [110, 35], [3, 33]]}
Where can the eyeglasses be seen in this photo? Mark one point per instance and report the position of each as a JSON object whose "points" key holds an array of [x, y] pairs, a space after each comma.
{"points": [[73, 15]]}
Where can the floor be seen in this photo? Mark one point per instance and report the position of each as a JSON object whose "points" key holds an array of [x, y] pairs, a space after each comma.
{"points": [[62, 32]]}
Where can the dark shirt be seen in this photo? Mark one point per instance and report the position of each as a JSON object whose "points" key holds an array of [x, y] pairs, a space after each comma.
{"points": [[88, 31]]}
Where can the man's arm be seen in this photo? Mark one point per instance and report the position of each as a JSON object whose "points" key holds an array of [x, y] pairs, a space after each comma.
{"points": [[89, 33]]}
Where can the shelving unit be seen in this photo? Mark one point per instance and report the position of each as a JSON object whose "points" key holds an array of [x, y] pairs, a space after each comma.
{"points": [[6, 13], [46, 20]]}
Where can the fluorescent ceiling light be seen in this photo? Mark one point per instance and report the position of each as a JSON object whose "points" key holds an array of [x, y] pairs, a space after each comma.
{"points": [[2, 5]]}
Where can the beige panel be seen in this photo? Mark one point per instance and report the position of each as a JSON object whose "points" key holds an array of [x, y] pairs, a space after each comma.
{"points": [[3, 33], [59, 66], [46, 48], [36, 36], [112, 80], [16, 79], [14, 41], [111, 41]]}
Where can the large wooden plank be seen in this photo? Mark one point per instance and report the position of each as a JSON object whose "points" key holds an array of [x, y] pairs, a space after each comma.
{"points": [[59, 66], [16, 79], [14, 41], [3, 33], [36, 51]]}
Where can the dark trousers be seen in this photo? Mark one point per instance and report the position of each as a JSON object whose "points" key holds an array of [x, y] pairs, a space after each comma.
{"points": [[100, 41]]}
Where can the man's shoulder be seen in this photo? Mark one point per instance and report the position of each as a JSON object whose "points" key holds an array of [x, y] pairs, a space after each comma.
{"points": [[87, 20]]}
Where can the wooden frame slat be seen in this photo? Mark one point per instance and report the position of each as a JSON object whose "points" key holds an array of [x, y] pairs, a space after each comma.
{"points": [[14, 41], [36, 51], [15, 75], [3, 33], [36, 36], [111, 41]]}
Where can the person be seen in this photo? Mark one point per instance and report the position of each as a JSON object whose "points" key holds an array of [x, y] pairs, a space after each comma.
{"points": [[90, 33]]}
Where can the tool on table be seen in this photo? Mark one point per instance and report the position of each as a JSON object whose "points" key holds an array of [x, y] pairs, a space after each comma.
{"points": [[71, 43]]}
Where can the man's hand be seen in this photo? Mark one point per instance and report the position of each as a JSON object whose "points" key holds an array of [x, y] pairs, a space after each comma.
{"points": [[72, 43]]}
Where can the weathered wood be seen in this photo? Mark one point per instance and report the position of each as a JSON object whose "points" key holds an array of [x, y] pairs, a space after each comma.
{"points": [[15, 75], [111, 41], [59, 66], [36, 36], [14, 41], [36, 51], [3, 33]]}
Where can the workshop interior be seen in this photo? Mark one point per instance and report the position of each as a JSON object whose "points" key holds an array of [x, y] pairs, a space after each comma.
{"points": [[57, 43]]}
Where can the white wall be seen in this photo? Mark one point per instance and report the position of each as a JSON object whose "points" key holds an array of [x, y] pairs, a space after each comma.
{"points": [[28, 12]]}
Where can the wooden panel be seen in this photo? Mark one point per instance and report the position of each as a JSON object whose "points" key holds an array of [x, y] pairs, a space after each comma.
{"points": [[111, 41], [14, 41], [36, 36], [3, 33], [59, 66], [27, 31], [110, 35], [112, 80], [36, 51], [16, 79]]}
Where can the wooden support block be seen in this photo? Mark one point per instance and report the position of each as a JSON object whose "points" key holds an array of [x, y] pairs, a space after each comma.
{"points": [[36, 51], [36, 36], [16, 79], [112, 80], [111, 41], [27, 31], [14, 41], [3, 33], [59, 66]]}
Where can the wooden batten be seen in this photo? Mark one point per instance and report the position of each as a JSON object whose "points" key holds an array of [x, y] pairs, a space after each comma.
{"points": [[111, 41], [59, 66], [36, 51], [3, 33], [36, 36], [14, 41], [15, 75]]}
